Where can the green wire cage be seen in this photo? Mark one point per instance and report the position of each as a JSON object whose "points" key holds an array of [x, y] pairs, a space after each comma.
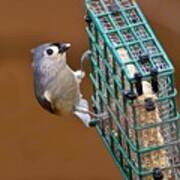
{"points": [[133, 81]]}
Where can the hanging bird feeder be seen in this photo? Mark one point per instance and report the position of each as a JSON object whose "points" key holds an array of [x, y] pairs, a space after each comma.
{"points": [[133, 81]]}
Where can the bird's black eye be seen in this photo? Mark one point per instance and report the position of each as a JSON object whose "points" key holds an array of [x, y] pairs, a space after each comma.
{"points": [[49, 52], [52, 51]]}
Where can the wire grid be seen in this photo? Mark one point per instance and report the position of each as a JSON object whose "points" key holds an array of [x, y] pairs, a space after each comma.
{"points": [[127, 26], [122, 132]]}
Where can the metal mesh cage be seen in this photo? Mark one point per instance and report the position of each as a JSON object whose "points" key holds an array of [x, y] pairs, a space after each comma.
{"points": [[133, 81]]}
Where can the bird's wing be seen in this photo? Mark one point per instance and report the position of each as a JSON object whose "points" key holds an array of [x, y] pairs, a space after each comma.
{"points": [[42, 97]]}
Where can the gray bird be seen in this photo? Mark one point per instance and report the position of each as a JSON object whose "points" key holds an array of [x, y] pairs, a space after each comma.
{"points": [[56, 85]]}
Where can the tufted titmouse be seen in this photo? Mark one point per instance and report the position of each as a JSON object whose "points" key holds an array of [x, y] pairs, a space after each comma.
{"points": [[56, 85]]}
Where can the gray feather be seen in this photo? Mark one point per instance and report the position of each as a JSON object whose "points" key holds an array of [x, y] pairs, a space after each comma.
{"points": [[56, 77]]}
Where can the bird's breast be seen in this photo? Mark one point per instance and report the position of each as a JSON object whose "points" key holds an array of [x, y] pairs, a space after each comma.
{"points": [[64, 91]]}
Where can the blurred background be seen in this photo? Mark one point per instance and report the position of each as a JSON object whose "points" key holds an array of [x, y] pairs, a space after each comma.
{"points": [[35, 145]]}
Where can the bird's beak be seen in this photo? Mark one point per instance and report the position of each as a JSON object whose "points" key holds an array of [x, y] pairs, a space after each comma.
{"points": [[67, 46], [63, 47]]}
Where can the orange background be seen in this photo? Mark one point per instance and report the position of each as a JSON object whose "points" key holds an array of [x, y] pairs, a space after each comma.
{"points": [[33, 144]]}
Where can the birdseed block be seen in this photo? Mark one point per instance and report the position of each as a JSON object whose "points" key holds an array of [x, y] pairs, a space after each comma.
{"points": [[133, 81]]}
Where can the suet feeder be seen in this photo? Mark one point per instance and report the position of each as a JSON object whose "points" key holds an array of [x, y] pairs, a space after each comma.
{"points": [[133, 80]]}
